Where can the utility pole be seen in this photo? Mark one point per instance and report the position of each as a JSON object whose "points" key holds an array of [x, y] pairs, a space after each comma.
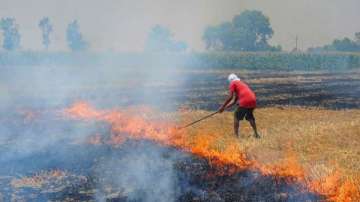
{"points": [[296, 48]]}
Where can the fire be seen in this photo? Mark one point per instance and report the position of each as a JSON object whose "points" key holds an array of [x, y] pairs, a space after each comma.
{"points": [[289, 169], [125, 125], [333, 187], [38, 179], [82, 110], [135, 125]]}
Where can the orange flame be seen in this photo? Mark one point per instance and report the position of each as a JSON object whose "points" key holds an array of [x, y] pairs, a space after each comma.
{"points": [[289, 169], [334, 189], [133, 125]]}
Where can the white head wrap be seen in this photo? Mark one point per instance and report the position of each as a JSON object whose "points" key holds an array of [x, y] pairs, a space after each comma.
{"points": [[233, 77]]}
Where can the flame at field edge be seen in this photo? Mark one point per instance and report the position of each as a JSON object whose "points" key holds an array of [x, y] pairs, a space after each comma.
{"points": [[125, 125]]}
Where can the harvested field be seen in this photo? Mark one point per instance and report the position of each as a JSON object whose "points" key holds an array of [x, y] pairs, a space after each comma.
{"points": [[110, 147], [320, 138], [197, 89], [204, 163], [334, 90]]}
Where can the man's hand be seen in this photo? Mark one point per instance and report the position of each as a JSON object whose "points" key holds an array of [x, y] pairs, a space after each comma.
{"points": [[228, 100], [221, 109]]}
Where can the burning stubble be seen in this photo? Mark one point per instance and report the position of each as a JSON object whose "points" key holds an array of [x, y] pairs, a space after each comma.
{"points": [[226, 161], [117, 163]]}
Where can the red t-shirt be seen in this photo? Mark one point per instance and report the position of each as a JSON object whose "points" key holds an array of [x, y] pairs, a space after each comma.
{"points": [[246, 97]]}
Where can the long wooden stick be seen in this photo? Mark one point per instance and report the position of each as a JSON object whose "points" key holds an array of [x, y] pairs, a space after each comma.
{"points": [[203, 118]]}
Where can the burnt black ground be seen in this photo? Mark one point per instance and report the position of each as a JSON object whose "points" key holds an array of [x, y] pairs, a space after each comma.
{"points": [[190, 179], [41, 87], [137, 170], [207, 90]]}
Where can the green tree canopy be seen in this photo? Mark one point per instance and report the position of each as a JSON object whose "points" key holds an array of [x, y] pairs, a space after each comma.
{"points": [[346, 44], [46, 29], [357, 38], [11, 39], [74, 37], [249, 31], [160, 39]]}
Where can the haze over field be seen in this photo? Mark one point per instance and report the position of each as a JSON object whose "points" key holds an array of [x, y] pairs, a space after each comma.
{"points": [[123, 25], [117, 100]]}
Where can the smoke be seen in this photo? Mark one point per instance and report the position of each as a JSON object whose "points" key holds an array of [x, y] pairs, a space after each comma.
{"points": [[123, 25], [34, 134], [30, 120], [143, 172]]}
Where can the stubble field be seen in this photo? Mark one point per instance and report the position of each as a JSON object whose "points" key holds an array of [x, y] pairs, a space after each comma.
{"points": [[309, 122]]}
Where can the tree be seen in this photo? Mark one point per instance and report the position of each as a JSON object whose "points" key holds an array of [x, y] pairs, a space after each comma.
{"points": [[255, 28], [160, 39], [212, 38], [74, 37], [345, 44], [357, 38], [219, 37], [249, 31], [46, 29], [11, 34]]}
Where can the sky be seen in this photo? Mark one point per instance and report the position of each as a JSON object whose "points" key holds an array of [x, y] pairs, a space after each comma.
{"points": [[123, 25]]}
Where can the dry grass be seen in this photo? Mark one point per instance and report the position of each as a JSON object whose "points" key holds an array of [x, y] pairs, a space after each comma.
{"points": [[321, 139]]}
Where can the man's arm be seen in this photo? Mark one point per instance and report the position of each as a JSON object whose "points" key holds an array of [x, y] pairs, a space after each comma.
{"points": [[227, 101], [232, 103]]}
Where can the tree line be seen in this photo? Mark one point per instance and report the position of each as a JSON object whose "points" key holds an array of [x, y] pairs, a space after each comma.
{"points": [[346, 45], [250, 31], [12, 37]]}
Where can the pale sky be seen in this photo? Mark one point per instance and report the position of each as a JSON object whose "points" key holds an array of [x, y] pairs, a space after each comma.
{"points": [[122, 25]]}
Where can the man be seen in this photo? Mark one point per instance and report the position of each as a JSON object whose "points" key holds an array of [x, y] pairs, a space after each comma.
{"points": [[241, 94]]}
